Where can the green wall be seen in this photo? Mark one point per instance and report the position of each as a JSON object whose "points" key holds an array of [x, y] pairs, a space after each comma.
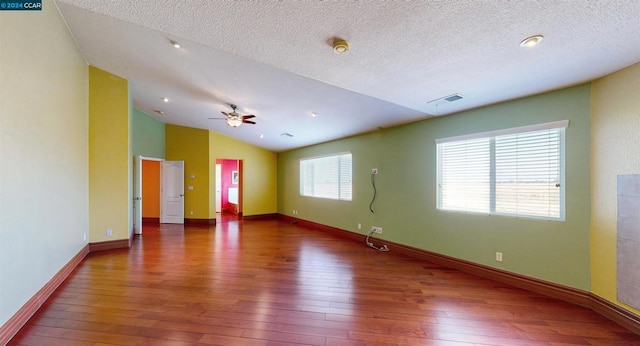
{"points": [[406, 200], [148, 138]]}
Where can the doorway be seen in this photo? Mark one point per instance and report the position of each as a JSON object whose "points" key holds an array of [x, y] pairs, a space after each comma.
{"points": [[228, 175], [147, 186]]}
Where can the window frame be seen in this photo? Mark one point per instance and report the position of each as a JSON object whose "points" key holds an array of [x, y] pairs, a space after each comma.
{"points": [[340, 173], [491, 135]]}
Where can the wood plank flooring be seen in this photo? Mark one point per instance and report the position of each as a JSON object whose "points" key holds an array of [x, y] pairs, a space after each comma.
{"points": [[273, 283]]}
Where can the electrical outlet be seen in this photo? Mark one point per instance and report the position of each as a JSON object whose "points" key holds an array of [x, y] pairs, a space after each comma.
{"points": [[374, 171], [499, 256], [376, 229], [84, 237], [109, 232], [191, 212], [359, 226]]}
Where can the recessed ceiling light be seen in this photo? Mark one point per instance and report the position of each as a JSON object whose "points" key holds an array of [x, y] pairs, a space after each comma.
{"points": [[531, 41], [314, 114], [175, 44], [261, 135], [165, 99]]}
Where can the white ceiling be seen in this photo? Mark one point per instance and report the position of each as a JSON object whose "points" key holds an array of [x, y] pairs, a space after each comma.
{"points": [[274, 58]]}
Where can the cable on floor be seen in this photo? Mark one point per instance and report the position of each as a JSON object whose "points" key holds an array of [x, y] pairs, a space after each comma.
{"points": [[383, 247]]}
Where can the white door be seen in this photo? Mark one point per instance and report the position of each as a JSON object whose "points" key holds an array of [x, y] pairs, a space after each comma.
{"points": [[172, 192], [137, 195], [218, 188]]}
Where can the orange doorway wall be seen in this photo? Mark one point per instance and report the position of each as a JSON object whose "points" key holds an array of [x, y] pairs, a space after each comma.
{"points": [[150, 191]]}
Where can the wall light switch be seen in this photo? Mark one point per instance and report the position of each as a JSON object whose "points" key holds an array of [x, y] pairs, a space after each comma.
{"points": [[190, 187]]}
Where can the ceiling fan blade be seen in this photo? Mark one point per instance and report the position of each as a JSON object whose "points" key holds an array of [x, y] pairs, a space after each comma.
{"points": [[248, 116], [248, 122], [225, 113], [217, 118]]}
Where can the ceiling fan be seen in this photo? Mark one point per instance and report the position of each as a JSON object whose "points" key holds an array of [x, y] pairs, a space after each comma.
{"points": [[234, 119]]}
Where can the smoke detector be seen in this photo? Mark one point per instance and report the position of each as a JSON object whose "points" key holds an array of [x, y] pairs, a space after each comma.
{"points": [[340, 46]]}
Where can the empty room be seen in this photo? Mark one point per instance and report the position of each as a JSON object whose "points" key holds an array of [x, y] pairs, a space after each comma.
{"points": [[319, 172]]}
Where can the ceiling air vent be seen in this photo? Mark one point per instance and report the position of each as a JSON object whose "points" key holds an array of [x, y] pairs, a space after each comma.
{"points": [[286, 134], [444, 100]]}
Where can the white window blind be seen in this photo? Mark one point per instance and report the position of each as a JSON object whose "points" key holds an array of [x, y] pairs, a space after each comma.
{"points": [[326, 177], [465, 173], [516, 172]]}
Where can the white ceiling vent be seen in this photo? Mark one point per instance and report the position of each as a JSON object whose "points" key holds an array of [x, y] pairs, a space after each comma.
{"points": [[286, 134], [444, 100]]}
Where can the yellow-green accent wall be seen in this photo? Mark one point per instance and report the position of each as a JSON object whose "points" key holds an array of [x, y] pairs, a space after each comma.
{"points": [[191, 145], [199, 150], [615, 149], [109, 156], [260, 173]]}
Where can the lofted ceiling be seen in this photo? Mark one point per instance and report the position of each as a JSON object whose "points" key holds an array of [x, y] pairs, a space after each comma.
{"points": [[274, 59]]}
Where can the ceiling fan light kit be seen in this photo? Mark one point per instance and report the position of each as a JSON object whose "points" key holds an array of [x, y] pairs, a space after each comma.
{"points": [[234, 119]]}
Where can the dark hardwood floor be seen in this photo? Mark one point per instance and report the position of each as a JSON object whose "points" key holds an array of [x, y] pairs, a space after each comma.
{"points": [[273, 283]]}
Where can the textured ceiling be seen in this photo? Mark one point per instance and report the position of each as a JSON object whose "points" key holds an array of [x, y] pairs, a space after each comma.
{"points": [[274, 59]]}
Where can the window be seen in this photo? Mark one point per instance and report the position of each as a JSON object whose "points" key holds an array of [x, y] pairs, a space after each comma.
{"points": [[326, 177], [517, 172]]}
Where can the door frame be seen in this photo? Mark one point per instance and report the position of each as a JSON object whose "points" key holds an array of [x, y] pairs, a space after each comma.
{"points": [[218, 180], [218, 187], [137, 190]]}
